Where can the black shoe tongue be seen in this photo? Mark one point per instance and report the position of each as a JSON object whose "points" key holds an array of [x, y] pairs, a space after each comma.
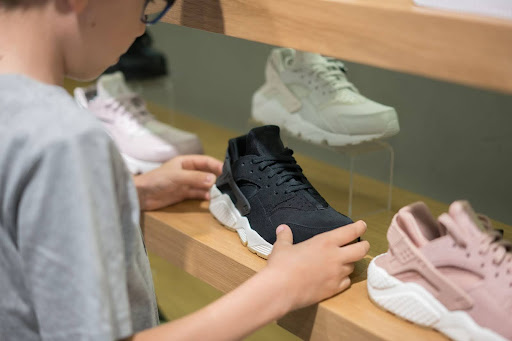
{"points": [[264, 140]]}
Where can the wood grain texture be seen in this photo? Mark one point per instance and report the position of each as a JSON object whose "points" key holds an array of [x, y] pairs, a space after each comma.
{"points": [[391, 34], [188, 236]]}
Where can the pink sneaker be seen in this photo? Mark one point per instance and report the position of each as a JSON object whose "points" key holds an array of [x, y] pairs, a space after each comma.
{"points": [[112, 103], [453, 274]]}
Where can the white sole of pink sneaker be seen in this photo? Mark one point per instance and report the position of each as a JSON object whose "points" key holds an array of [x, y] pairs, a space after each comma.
{"points": [[268, 110], [412, 302], [225, 212]]}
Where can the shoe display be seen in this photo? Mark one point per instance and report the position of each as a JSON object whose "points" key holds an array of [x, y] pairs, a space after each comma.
{"points": [[141, 61], [453, 274], [144, 142], [495, 8], [309, 96], [261, 187]]}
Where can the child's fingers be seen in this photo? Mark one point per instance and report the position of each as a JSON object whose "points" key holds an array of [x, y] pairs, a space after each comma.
{"points": [[354, 252]]}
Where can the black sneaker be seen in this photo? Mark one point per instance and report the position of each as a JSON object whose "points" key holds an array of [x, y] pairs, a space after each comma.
{"points": [[141, 61], [261, 187]]}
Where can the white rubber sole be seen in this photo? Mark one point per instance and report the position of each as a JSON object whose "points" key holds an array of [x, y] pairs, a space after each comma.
{"points": [[136, 166], [226, 213], [413, 303], [495, 8], [268, 110]]}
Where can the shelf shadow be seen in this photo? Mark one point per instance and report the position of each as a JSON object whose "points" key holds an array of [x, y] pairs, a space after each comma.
{"points": [[300, 322]]}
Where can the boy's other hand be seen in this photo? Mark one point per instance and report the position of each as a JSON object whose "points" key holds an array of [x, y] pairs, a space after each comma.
{"points": [[317, 268], [183, 177]]}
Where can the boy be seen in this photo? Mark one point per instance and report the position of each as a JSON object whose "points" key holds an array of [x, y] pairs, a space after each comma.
{"points": [[72, 260]]}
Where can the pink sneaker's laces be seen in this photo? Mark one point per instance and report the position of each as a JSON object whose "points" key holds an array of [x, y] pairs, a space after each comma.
{"points": [[131, 105], [134, 115], [490, 240], [137, 106], [493, 241]]}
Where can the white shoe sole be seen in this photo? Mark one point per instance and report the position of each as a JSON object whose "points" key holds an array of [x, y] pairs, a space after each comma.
{"points": [[136, 166], [496, 8], [226, 213], [412, 302], [270, 111]]}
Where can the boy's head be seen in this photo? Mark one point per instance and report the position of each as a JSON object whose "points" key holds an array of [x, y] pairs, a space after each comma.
{"points": [[89, 35]]}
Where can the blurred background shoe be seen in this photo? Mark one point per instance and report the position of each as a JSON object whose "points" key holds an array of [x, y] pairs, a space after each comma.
{"points": [[310, 96], [144, 142], [141, 61]]}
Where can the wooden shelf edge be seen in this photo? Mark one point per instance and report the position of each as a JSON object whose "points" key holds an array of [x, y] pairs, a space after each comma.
{"points": [[393, 34], [199, 250]]}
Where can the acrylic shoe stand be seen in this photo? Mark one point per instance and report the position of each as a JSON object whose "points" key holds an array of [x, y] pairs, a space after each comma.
{"points": [[374, 151]]}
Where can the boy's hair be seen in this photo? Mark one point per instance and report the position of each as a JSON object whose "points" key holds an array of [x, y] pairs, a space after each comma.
{"points": [[15, 3]]}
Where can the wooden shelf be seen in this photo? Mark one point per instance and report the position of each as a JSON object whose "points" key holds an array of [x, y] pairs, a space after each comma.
{"points": [[391, 34], [189, 237]]}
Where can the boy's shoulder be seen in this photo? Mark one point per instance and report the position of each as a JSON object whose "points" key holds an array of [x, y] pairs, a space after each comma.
{"points": [[41, 114]]}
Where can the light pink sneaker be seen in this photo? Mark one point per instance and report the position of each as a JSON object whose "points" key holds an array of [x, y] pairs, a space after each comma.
{"points": [[112, 103], [453, 274]]}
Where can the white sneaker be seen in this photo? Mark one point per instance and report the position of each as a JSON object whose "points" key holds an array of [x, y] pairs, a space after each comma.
{"points": [[144, 142], [495, 8], [309, 96]]}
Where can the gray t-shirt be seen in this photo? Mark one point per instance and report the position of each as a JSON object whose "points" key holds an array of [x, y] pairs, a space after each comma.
{"points": [[72, 259]]}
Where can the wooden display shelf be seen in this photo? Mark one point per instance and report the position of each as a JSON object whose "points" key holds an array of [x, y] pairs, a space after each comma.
{"points": [[391, 34], [189, 237]]}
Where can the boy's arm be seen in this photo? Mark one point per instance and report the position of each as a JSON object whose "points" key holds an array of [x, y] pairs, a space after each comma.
{"points": [[254, 304], [296, 276]]}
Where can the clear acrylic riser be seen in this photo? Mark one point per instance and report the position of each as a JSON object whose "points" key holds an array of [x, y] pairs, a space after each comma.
{"points": [[159, 91], [378, 154]]}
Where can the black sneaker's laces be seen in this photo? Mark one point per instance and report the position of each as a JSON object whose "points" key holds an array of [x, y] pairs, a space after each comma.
{"points": [[286, 168]]}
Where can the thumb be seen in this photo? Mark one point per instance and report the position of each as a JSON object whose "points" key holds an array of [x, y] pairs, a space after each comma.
{"points": [[284, 235]]}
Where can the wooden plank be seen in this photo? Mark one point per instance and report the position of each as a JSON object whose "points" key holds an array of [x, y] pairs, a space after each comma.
{"points": [[188, 236], [391, 34]]}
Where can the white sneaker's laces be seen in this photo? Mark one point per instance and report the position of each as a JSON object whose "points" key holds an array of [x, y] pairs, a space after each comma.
{"points": [[330, 73]]}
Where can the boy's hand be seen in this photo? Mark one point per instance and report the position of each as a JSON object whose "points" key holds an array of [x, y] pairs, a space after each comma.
{"points": [[317, 268], [183, 177]]}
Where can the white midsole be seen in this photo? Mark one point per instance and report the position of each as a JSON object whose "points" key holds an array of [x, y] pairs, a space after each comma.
{"points": [[268, 110], [136, 166], [226, 213], [498, 8], [414, 303]]}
